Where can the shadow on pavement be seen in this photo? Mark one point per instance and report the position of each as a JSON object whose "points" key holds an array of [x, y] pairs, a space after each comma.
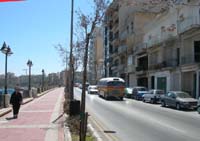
{"points": [[10, 118]]}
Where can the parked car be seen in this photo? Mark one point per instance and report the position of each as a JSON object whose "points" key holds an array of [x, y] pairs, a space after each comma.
{"points": [[80, 86], [128, 92], [92, 89], [179, 100], [138, 92], [198, 106], [153, 96]]}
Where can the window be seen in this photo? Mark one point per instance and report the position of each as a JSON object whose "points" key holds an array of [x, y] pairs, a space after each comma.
{"points": [[132, 27], [130, 60], [127, 29]]}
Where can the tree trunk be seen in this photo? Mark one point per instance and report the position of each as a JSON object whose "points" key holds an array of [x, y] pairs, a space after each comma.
{"points": [[82, 137]]}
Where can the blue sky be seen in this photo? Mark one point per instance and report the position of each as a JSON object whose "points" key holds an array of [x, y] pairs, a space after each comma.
{"points": [[31, 29]]}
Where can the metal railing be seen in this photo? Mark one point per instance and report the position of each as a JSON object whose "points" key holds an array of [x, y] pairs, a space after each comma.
{"points": [[187, 59]]}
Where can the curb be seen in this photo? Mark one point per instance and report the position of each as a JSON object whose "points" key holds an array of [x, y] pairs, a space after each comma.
{"points": [[43, 93], [67, 134], [27, 101], [94, 132], [5, 111]]}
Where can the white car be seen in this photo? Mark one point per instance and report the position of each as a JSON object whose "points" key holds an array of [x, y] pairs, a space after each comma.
{"points": [[198, 106], [92, 89]]}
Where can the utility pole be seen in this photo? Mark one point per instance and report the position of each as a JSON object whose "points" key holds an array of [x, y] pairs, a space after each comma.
{"points": [[71, 79]]}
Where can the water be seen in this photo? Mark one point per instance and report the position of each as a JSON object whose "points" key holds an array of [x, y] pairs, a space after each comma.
{"points": [[9, 90]]}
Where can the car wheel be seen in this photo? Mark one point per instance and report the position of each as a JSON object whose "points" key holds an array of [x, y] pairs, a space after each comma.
{"points": [[163, 104], [121, 98], [198, 109], [151, 101], [143, 100], [178, 106]]}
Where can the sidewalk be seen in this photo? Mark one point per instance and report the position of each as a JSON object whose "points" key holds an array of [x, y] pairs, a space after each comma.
{"points": [[35, 119]]}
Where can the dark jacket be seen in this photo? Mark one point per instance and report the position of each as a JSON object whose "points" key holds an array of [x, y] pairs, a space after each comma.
{"points": [[16, 98]]}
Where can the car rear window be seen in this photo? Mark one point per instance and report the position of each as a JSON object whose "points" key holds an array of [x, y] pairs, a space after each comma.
{"points": [[142, 89]]}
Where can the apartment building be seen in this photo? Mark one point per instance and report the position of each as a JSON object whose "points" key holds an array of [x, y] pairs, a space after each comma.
{"points": [[95, 61], [156, 49], [189, 33], [123, 30]]}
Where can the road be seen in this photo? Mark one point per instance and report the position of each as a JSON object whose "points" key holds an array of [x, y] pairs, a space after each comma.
{"points": [[133, 120]]}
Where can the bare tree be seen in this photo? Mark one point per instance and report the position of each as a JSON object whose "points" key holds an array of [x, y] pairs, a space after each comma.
{"points": [[63, 53], [87, 24]]}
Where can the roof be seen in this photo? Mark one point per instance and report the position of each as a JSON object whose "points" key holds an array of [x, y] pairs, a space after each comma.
{"points": [[107, 79]]}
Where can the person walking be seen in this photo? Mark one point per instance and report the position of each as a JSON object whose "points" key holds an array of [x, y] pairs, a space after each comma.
{"points": [[16, 101]]}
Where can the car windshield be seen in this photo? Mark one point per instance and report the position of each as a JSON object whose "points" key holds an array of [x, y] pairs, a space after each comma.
{"points": [[159, 92], [93, 87], [183, 95], [141, 89]]}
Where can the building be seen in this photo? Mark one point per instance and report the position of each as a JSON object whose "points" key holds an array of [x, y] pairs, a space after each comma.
{"points": [[157, 49], [95, 60], [123, 29]]}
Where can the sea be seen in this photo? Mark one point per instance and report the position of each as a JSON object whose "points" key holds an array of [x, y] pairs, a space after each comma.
{"points": [[9, 90]]}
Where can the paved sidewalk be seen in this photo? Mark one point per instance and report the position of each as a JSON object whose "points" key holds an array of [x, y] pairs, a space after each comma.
{"points": [[35, 119]]}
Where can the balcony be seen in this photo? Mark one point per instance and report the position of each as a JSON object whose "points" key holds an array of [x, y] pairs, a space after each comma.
{"points": [[116, 42], [164, 64], [168, 36], [122, 49], [122, 68], [140, 48], [141, 68], [115, 52], [187, 59], [173, 62], [189, 23], [131, 68], [114, 67]]}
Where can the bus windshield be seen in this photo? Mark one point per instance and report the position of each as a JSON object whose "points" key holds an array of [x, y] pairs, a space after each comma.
{"points": [[116, 83]]}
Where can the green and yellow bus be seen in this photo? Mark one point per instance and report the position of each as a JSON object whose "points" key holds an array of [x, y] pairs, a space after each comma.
{"points": [[111, 87]]}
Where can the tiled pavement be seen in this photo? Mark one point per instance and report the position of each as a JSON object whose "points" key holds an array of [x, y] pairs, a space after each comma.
{"points": [[34, 122]]}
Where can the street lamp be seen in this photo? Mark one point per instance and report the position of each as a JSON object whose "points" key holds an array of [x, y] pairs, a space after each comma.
{"points": [[29, 64], [42, 80], [7, 51]]}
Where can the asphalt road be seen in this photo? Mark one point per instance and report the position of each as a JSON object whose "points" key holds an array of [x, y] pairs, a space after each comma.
{"points": [[133, 120]]}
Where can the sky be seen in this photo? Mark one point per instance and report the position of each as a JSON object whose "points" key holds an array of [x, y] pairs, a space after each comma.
{"points": [[32, 28]]}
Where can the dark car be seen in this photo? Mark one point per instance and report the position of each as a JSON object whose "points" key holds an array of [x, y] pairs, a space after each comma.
{"points": [[178, 99], [153, 96], [138, 92], [128, 92], [198, 106]]}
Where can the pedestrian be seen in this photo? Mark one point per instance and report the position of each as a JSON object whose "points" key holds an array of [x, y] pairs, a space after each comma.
{"points": [[16, 101]]}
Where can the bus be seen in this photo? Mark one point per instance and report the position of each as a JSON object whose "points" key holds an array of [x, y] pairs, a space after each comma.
{"points": [[111, 87]]}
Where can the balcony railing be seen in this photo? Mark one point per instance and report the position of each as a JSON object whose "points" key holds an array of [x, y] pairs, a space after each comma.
{"points": [[164, 64], [187, 59], [189, 23], [141, 68]]}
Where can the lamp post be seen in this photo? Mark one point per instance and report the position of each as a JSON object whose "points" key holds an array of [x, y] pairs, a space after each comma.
{"points": [[29, 64], [42, 80], [7, 51]]}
